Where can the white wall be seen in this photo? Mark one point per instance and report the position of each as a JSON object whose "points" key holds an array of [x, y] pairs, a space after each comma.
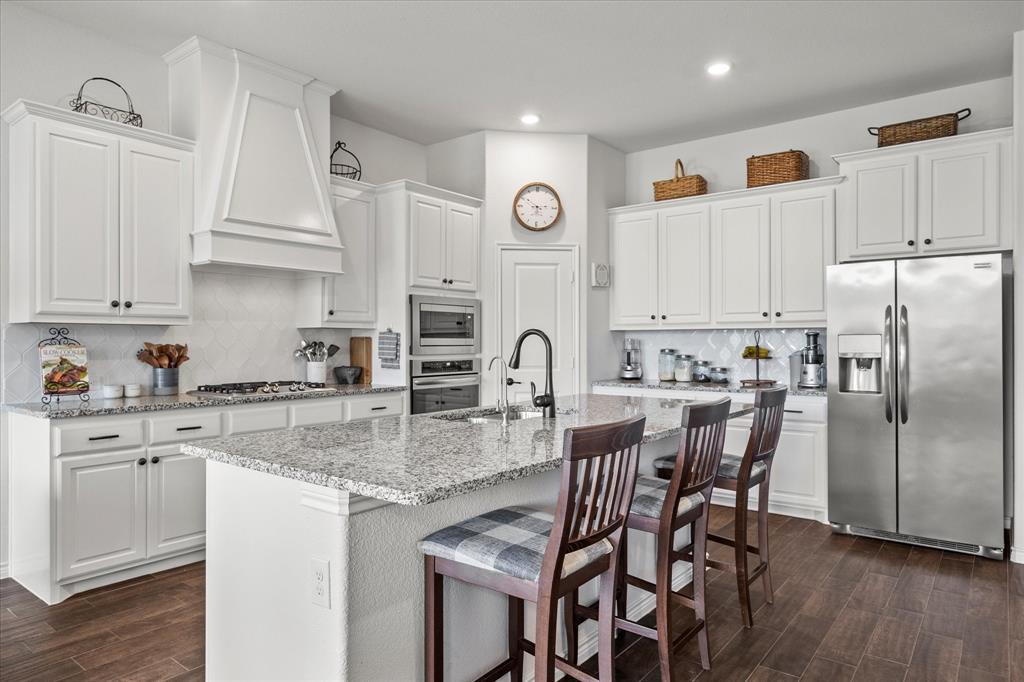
{"points": [[722, 159], [384, 157], [458, 164]]}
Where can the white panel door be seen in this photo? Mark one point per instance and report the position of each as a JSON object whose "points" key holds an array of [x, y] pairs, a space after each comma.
{"points": [[538, 291], [77, 247], [634, 260], [352, 297], [684, 259], [156, 218], [102, 511], [426, 242], [740, 260], [959, 198], [462, 246], [802, 229], [176, 506], [878, 208]]}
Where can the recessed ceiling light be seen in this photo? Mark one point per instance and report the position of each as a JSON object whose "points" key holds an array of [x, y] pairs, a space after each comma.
{"points": [[719, 68], [530, 119]]}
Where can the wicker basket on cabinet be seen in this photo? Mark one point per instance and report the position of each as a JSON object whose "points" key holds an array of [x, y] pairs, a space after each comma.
{"points": [[770, 169], [919, 129], [680, 186]]}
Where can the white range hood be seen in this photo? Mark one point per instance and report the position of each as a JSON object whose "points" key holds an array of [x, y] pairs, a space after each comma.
{"points": [[262, 135]]}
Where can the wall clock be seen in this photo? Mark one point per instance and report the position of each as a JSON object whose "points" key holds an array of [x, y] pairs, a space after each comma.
{"points": [[537, 206]]}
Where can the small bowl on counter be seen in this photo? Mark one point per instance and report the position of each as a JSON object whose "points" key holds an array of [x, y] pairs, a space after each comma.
{"points": [[347, 375], [113, 391]]}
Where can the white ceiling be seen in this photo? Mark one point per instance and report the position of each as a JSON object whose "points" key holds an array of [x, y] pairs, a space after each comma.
{"points": [[629, 73]]}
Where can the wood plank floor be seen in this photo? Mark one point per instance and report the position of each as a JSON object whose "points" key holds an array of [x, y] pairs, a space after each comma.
{"points": [[845, 609]]}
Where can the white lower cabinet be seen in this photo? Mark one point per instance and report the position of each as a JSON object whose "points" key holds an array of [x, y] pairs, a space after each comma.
{"points": [[102, 503], [175, 502]]}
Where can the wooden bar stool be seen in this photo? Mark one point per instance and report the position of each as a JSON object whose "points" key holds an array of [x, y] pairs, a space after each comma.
{"points": [[531, 555], [740, 474], [663, 507]]}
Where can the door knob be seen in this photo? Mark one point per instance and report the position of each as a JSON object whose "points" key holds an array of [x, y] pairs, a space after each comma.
{"points": [[127, 304], [764, 314], [778, 314], [927, 241], [142, 461], [115, 303], [330, 312], [663, 317], [653, 317], [910, 242], [154, 460]]}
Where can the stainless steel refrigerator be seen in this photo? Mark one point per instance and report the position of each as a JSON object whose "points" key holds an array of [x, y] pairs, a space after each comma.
{"points": [[919, 400]]}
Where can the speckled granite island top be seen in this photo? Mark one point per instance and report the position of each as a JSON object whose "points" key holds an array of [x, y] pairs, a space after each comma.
{"points": [[415, 460], [73, 407], [692, 386]]}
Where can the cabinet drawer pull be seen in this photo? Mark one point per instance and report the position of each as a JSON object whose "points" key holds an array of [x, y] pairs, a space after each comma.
{"points": [[382, 407], [110, 437], [141, 462], [188, 428], [794, 411]]}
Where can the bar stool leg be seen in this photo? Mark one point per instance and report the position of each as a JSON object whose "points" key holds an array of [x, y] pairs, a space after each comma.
{"points": [[621, 586], [515, 636], [663, 607], [741, 558], [700, 544], [572, 626], [544, 646], [434, 634], [762, 540]]}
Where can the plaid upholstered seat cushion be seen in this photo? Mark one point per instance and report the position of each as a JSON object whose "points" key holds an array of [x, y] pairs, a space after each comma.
{"points": [[649, 496], [730, 467], [511, 540]]}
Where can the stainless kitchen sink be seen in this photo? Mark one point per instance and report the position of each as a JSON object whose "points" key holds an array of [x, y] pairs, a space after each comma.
{"points": [[490, 416]]}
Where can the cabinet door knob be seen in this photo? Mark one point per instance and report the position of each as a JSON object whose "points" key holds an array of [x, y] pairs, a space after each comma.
{"points": [[115, 303], [653, 317], [154, 460], [778, 314], [910, 242], [141, 462], [927, 241], [764, 314], [663, 317], [330, 312], [127, 304]]}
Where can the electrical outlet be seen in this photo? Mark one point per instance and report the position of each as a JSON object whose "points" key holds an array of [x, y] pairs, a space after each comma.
{"points": [[320, 582]]}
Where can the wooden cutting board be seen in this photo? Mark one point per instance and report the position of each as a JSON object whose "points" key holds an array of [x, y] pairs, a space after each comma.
{"points": [[360, 350]]}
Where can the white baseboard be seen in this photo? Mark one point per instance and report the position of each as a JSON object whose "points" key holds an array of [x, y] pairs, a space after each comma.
{"points": [[637, 609], [1017, 555], [727, 498], [5, 571]]}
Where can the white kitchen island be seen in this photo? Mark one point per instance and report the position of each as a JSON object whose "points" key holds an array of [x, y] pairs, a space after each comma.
{"points": [[350, 502]]}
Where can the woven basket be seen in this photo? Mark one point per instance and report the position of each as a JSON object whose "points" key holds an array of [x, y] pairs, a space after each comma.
{"points": [[680, 186], [921, 129], [771, 169]]}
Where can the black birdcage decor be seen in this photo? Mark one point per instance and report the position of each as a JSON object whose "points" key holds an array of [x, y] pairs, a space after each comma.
{"points": [[84, 105], [345, 170]]}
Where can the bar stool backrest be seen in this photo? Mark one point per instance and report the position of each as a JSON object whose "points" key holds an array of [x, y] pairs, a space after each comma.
{"points": [[599, 466], [769, 409], [700, 452]]}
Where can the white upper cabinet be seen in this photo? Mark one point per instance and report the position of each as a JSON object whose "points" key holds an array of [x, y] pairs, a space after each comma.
{"points": [[950, 195], [751, 258], [802, 235], [444, 244], [348, 299], [741, 260], [634, 252], [100, 214]]}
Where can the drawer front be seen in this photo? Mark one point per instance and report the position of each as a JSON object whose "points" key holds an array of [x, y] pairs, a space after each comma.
{"points": [[180, 428], [374, 406], [99, 436], [250, 419], [322, 411], [801, 411]]}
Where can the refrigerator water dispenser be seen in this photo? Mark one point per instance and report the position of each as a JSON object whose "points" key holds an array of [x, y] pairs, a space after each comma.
{"points": [[860, 363]]}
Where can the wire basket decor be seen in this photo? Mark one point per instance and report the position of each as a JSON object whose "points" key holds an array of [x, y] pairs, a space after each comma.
{"points": [[84, 105], [345, 170]]}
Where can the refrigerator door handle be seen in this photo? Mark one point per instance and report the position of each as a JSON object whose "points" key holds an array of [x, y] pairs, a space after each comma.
{"points": [[887, 362], [904, 365]]}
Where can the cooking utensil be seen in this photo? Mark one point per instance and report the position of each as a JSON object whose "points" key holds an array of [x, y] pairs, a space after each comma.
{"points": [[332, 349]]}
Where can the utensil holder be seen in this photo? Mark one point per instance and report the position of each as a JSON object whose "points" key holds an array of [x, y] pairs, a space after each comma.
{"points": [[165, 381], [316, 372]]}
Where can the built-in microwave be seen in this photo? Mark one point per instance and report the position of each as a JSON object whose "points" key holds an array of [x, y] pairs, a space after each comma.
{"points": [[445, 326]]}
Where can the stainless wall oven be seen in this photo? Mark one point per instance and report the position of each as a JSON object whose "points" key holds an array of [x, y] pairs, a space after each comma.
{"points": [[444, 384], [445, 326]]}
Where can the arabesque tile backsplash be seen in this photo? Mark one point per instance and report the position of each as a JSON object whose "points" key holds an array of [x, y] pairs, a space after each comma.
{"points": [[242, 330], [723, 347]]}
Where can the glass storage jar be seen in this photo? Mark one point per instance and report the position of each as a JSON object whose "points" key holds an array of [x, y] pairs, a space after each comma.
{"points": [[700, 370], [684, 368], [667, 364], [719, 375]]}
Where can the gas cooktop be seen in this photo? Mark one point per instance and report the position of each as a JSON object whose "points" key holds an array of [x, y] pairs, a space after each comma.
{"points": [[251, 388]]}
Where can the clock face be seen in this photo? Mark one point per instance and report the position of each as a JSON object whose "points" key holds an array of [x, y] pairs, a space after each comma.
{"points": [[537, 206]]}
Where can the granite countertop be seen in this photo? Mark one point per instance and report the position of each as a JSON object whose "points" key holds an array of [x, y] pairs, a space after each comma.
{"points": [[73, 407], [694, 386], [415, 460]]}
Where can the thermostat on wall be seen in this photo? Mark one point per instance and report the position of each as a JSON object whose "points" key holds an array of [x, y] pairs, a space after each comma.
{"points": [[600, 274]]}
